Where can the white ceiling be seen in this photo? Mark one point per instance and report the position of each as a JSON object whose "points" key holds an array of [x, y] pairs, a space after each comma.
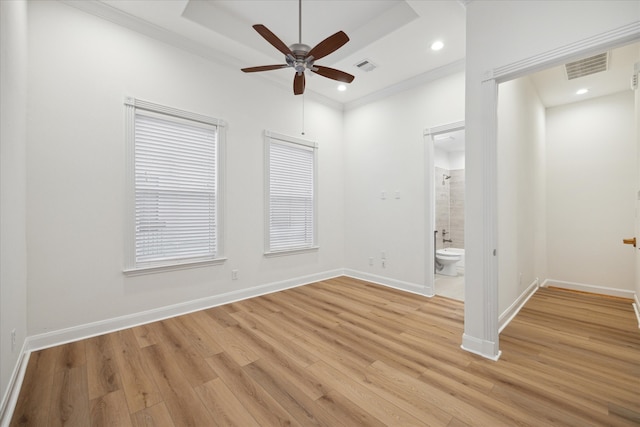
{"points": [[555, 89], [396, 35], [451, 141]]}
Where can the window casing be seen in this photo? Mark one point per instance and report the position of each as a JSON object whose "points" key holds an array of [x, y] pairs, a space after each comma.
{"points": [[174, 188], [291, 201]]}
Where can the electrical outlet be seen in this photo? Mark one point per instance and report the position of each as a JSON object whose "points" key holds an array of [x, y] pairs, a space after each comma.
{"points": [[13, 341], [371, 260], [383, 255], [234, 274]]}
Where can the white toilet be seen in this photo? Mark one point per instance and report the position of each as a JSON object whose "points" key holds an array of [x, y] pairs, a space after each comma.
{"points": [[449, 260]]}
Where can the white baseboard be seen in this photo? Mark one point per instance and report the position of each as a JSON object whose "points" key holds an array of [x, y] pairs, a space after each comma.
{"points": [[487, 349], [511, 312], [636, 308], [10, 397], [391, 283], [75, 333], [594, 289]]}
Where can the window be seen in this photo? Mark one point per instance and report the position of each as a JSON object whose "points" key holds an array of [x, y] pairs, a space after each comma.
{"points": [[291, 194], [174, 187]]}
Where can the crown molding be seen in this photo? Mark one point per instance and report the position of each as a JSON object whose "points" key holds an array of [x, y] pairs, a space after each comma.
{"points": [[590, 46], [123, 19], [426, 77]]}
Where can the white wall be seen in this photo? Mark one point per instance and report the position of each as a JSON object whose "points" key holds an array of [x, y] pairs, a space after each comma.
{"points": [[441, 158], [13, 136], [385, 152], [81, 69], [591, 181], [499, 34], [451, 160], [456, 160], [521, 186]]}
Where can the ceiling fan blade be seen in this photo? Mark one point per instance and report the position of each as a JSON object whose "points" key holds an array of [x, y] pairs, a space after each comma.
{"points": [[298, 84], [272, 39], [264, 68], [332, 73], [328, 45]]}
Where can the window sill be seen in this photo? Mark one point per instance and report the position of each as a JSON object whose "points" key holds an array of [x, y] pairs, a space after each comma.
{"points": [[137, 271], [291, 252]]}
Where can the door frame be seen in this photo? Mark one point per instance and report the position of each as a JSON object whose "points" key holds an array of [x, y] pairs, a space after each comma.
{"points": [[636, 304], [430, 198]]}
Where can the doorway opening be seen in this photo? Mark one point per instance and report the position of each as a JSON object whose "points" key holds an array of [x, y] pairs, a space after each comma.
{"points": [[559, 222], [445, 182], [487, 343]]}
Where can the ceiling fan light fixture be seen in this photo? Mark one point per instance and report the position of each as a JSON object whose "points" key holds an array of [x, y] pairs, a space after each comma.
{"points": [[582, 91], [342, 88]]}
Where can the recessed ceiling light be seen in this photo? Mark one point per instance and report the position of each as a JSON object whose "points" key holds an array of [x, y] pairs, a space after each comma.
{"points": [[437, 45], [342, 88], [582, 91]]}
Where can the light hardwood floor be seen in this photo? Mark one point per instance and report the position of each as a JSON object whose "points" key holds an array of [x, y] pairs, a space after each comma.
{"points": [[343, 353]]}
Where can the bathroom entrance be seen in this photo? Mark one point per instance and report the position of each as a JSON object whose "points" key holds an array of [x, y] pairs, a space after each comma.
{"points": [[446, 161]]}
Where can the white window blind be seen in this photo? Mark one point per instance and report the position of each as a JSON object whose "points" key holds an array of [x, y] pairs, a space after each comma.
{"points": [[291, 194], [176, 190]]}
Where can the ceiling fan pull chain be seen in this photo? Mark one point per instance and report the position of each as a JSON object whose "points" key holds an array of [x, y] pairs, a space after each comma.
{"points": [[302, 114]]}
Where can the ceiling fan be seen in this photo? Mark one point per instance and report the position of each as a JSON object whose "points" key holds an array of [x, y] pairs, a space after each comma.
{"points": [[302, 57]]}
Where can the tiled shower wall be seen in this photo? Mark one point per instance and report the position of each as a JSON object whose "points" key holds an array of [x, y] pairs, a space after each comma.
{"points": [[456, 204], [442, 204], [450, 207]]}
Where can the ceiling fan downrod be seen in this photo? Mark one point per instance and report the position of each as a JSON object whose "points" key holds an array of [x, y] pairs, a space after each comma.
{"points": [[300, 62], [299, 21]]}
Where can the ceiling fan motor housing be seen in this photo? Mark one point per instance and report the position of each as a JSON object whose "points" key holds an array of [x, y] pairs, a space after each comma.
{"points": [[300, 49], [299, 61]]}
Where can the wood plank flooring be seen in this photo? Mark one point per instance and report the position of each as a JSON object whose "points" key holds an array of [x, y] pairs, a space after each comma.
{"points": [[346, 353]]}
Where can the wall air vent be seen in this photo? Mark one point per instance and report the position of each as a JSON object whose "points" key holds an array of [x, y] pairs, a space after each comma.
{"points": [[366, 65], [587, 66]]}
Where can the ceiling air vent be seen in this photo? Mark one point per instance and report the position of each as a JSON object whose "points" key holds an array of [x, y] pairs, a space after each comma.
{"points": [[587, 66], [366, 65]]}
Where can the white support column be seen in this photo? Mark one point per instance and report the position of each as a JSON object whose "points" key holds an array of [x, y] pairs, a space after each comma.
{"points": [[485, 340]]}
